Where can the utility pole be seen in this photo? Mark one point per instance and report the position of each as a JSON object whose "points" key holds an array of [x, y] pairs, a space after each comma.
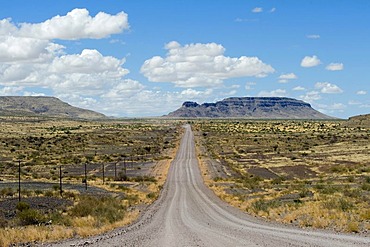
{"points": [[124, 166], [103, 173], [85, 177], [19, 180], [115, 170], [60, 181]]}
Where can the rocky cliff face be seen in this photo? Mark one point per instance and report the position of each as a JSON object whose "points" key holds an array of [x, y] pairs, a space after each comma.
{"points": [[43, 106], [250, 107]]}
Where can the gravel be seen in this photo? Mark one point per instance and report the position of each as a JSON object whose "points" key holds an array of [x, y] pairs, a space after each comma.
{"points": [[189, 214]]}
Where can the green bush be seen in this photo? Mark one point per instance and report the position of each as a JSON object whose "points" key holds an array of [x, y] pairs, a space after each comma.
{"points": [[151, 195], [38, 192], [341, 204], [21, 206], [365, 186], [7, 192], [49, 193], [263, 205], [30, 217], [3, 222], [105, 209]]}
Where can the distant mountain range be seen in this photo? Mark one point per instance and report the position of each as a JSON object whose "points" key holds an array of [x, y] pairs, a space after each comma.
{"points": [[250, 107], [43, 106]]}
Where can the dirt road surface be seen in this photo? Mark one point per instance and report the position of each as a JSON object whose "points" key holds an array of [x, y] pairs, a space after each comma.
{"points": [[189, 214]]}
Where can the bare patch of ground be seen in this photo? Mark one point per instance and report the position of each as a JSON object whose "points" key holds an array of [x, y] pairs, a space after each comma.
{"points": [[294, 172]]}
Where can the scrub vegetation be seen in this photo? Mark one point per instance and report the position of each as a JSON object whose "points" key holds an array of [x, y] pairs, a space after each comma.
{"points": [[126, 166], [306, 173]]}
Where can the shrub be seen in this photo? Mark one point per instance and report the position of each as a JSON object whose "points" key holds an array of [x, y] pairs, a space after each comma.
{"points": [[144, 179], [49, 193], [122, 177], [263, 205], [38, 192], [353, 227], [365, 186], [69, 195], [151, 195], [341, 204], [30, 217], [21, 206], [124, 188], [7, 192], [327, 189], [3, 222], [56, 187], [105, 209]]}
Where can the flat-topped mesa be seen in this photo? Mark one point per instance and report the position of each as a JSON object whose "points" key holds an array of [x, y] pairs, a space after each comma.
{"points": [[250, 107], [264, 102]]}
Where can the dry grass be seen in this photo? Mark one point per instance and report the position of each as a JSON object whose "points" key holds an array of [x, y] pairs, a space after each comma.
{"points": [[33, 233], [44, 144], [306, 173], [82, 227]]}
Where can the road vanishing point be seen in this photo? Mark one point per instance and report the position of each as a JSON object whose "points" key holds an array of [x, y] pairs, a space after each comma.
{"points": [[188, 213]]}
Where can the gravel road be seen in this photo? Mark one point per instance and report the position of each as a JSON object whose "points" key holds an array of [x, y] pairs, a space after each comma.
{"points": [[189, 214]]}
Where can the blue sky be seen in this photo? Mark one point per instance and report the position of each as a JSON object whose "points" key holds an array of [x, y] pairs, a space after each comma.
{"points": [[134, 58]]}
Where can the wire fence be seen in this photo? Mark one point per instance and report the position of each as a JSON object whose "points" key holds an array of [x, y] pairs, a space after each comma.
{"points": [[74, 177]]}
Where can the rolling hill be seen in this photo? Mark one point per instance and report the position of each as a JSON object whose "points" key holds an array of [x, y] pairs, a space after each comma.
{"points": [[43, 106]]}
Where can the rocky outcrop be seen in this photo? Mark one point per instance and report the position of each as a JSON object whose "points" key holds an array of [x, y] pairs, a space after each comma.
{"points": [[43, 106], [250, 107]]}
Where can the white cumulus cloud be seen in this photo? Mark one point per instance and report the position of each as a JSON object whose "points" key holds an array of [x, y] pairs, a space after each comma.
{"points": [[88, 73], [9, 91], [310, 96], [299, 88], [284, 78], [335, 66], [308, 61], [32, 42], [77, 24], [125, 89], [329, 88], [335, 107], [22, 49], [89, 61], [201, 65]]}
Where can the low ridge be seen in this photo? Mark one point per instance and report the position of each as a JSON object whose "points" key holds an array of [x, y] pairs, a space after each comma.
{"points": [[359, 121], [43, 106], [250, 107]]}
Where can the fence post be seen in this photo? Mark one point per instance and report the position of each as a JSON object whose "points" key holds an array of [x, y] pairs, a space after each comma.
{"points": [[85, 177], [60, 181], [19, 180], [115, 170], [124, 166], [103, 173]]}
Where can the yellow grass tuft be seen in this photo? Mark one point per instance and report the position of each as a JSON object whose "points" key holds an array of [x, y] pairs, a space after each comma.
{"points": [[34, 233]]}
